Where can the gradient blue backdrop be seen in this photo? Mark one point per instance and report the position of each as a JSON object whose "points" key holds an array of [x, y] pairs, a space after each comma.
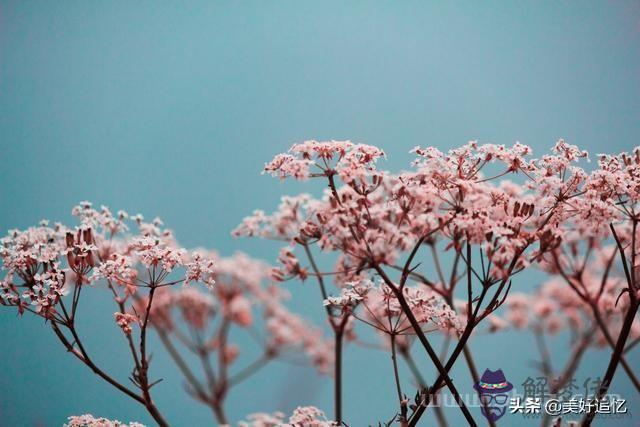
{"points": [[170, 109]]}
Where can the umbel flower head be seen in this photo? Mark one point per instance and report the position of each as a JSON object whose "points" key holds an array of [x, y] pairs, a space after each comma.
{"points": [[89, 420], [308, 416], [43, 263]]}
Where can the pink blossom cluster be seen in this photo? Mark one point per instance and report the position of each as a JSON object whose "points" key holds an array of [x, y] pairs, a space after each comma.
{"points": [[352, 162], [47, 262], [445, 194], [288, 331], [308, 416], [125, 320], [89, 420], [381, 308], [32, 257]]}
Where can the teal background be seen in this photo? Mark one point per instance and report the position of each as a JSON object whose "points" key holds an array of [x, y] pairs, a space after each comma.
{"points": [[171, 109]]}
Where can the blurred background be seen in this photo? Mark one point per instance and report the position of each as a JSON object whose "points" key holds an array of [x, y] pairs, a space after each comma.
{"points": [[172, 108]]}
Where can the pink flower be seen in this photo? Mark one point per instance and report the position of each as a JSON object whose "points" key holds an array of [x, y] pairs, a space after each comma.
{"points": [[285, 165], [196, 307], [200, 270], [262, 419], [351, 295], [231, 353], [89, 420], [288, 330], [284, 224], [119, 269], [153, 252], [307, 416], [497, 323], [125, 320], [20, 250], [352, 162], [310, 416], [290, 267], [240, 311]]}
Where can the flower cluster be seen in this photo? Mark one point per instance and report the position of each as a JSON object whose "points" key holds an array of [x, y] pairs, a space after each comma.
{"points": [[446, 196], [34, 279], [43, 263], [308, 416], [124, 321], [382, 308], [282, 225], [200, 269], [89, 420], [354, 163], [290, 267], [118, 268]]}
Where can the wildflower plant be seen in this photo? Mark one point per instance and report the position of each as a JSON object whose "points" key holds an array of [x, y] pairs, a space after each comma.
{"points": [[379, 223], [492, 210], [192, 299]]}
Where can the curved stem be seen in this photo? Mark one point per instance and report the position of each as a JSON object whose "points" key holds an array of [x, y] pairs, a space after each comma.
{"points": [[82, 356]]}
